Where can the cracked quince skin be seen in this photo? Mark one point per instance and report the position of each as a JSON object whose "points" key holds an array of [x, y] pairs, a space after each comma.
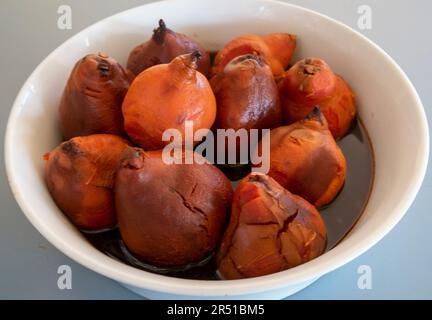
{"points": [[170, 215], [270, 230]]}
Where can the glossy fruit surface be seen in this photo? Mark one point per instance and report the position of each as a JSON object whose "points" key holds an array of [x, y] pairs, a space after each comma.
{"points": [[276, 49], [163, 47], [311, 82], [165, 97], [305, 159], [80, 174], [247, 95], [170, 215], [270, 230], [93, 96]]}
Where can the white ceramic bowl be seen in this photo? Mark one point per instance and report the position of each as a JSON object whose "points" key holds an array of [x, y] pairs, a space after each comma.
{"points": [[388, 105]]}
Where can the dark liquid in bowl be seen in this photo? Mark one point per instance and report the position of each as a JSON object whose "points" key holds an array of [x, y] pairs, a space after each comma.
{"points": [[339, 216]]}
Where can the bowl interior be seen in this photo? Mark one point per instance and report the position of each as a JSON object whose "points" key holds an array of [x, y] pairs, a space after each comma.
{"points": [[388, 105]]}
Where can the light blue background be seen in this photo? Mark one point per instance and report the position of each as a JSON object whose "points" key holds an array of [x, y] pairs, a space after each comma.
{"points": [[401, 263]]}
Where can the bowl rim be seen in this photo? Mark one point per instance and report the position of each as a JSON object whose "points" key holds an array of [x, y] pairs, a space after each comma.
{"points": [[160, 283]]}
